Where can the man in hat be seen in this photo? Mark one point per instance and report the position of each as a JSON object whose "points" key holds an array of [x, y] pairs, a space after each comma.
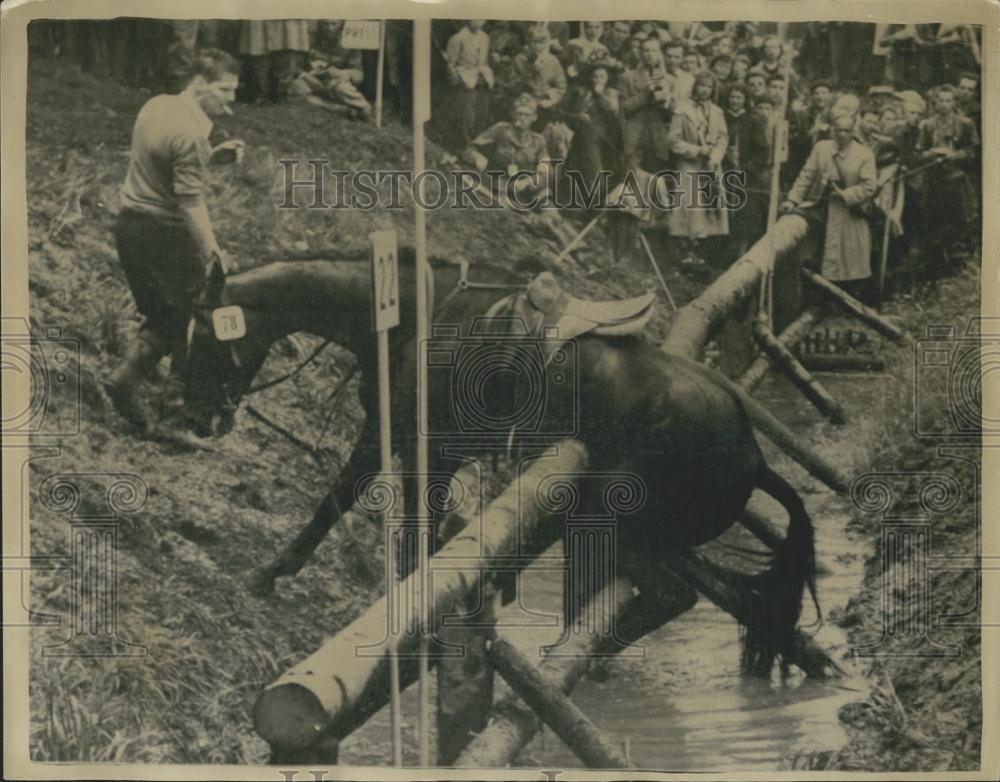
{"points": [[839, 178]]}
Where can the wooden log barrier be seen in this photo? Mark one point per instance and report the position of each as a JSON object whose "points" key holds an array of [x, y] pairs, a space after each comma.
{"points": [[830, 362], [337, 688], [790, 337], [640, 610], [555, 708], [811, 388], [697, 322], [861, 311]]}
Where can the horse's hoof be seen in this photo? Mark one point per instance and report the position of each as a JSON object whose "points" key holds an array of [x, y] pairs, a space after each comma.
{"points": [[262, 584]]}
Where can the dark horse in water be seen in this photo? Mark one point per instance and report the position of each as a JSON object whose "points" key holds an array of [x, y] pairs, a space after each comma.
{"points": [[677, 426]]}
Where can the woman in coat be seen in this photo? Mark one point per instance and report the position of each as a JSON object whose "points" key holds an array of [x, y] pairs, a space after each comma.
{"points": [[277, 50], [749, 150], [698, 141]]}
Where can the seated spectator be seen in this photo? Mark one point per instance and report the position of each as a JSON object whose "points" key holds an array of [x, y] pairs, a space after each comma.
{"points": [[335, 71], [950, 140], [838, 179], [513, 146], [471, 78], [749, 150], [698, 142], [648, 95], [276, 49]]}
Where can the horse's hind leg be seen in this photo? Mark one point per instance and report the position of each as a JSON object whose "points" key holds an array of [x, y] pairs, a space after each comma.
{"points": [[364, 460]]}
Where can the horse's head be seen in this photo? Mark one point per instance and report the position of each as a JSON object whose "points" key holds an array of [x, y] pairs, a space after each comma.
{"points": [[214, 380]]}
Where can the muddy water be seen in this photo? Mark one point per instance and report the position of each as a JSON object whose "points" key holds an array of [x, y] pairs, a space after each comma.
{"points": [[683, 705]]}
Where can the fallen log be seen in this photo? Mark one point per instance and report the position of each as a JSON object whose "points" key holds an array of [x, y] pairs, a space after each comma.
{"points": [[861, 311], [336, 688], [563, 716], [512, 724], [831, 362], [790, 337], [811, 388], [697, 322]]}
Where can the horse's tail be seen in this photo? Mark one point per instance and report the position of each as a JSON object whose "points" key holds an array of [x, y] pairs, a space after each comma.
{"points": [[776, 597]]}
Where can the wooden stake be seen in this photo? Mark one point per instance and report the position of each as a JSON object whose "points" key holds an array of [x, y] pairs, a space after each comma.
{"points": [[379, 73], [577, 239], [861, 311], [790, 337], [652, 262], [806, 383], [557, 711]]}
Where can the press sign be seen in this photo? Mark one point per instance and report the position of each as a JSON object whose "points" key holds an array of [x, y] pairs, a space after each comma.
{"points": [[228, 323], [385, 279], [360, 34]]}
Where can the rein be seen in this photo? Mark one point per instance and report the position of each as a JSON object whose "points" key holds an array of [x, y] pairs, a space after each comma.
{"points": [[464, 284]]}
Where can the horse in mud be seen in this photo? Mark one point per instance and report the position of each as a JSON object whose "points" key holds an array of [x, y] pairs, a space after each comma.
{"points": [[678, 427]]}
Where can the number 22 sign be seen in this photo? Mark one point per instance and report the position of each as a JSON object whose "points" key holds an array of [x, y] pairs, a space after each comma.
{"points": [[385, 279]]}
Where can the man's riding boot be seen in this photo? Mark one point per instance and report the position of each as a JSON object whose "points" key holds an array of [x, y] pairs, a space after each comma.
{"points": [[142, 355]]}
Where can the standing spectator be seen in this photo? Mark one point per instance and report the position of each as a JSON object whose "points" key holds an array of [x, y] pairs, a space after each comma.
{"points": [[698, 140], [586, 50], [277, 50], [741, 66], [163, 232], [774, 64], [648, 94], [673, 58], [967, 98], [537, 72], [756, 85], [691, 61], [839, 177], [949, 139], [722, 66], [471, 77], [748, 152], [616, 39], [867, 131], [597, 131]]}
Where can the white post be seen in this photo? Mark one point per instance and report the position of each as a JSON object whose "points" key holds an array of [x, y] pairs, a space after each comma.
{"points": [[422, 113], [379, 74]]}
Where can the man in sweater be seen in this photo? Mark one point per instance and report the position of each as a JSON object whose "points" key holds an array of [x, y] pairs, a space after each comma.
{"points": [[163, 232]]}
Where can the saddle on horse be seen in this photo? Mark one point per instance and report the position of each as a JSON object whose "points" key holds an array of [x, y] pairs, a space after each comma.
{"points": [[544, 311]]}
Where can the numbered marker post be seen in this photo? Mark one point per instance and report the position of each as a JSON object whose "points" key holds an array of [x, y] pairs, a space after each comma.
{"points": [[385, 315]]}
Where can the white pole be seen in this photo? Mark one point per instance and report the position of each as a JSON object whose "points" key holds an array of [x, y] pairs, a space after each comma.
{"points": [[379, 74], [421, 113], [385, 449]]}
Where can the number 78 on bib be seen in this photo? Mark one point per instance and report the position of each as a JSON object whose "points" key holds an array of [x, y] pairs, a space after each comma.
{"points": [[385, 280]]}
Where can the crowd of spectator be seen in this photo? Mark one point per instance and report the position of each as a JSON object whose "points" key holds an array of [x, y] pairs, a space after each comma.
{"points": [[869, 120], [863, 113]]}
